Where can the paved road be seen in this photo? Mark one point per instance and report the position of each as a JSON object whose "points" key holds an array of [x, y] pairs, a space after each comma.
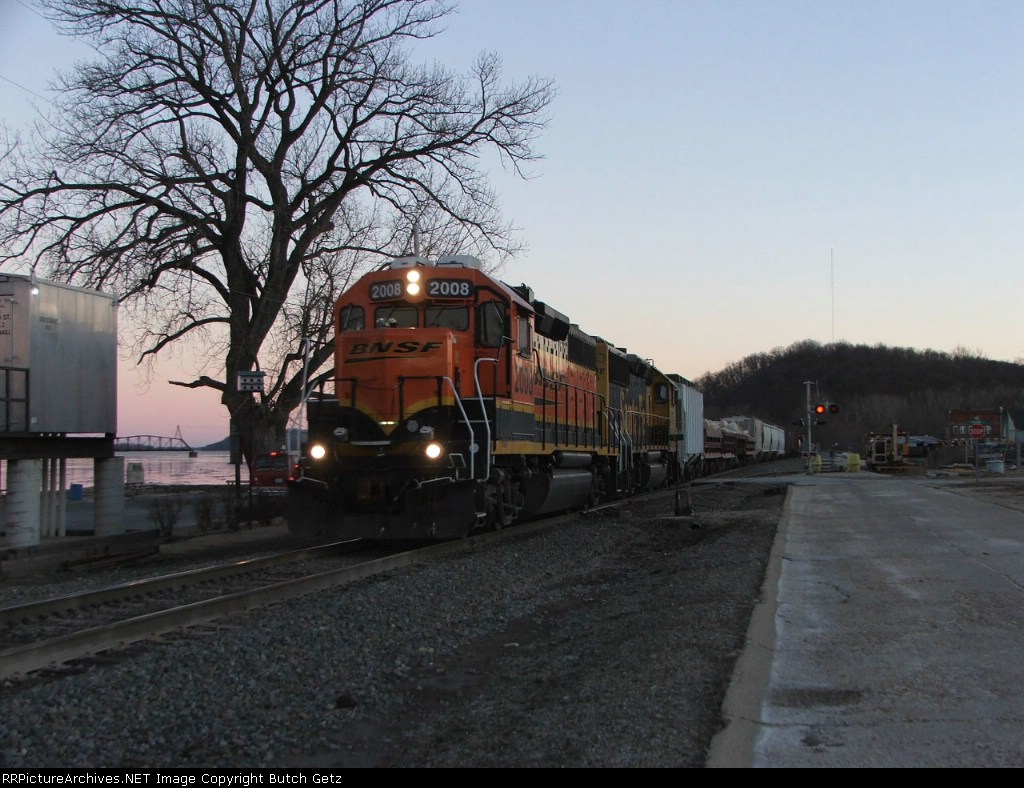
{"points": [[891, 633]]}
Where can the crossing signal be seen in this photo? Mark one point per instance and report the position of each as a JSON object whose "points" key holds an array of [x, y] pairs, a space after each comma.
{"points": [[819, 409], [833, 407]]}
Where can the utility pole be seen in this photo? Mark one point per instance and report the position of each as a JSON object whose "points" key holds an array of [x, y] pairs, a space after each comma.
{"points": [[252, 384], [809, 419]]}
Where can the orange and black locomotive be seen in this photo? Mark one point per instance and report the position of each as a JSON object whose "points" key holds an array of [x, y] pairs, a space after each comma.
{"points": [[462, 403]]}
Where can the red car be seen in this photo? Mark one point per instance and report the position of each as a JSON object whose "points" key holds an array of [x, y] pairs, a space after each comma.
{"points": [[272, 469]]}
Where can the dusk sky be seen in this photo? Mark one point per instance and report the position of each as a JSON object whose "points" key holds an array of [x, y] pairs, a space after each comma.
{"points": [[725, 178]]}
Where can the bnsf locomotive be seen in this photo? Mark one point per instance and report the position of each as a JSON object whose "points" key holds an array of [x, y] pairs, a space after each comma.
{"points": [[461, 403]]}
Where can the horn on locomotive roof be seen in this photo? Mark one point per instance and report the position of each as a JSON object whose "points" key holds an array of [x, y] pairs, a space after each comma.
{"points": [[449, 261], [410, 262], [525, 292], [459, 261]]}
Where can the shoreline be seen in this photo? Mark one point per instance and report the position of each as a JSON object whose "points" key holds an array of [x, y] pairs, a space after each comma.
{"points": [[173, 509]]}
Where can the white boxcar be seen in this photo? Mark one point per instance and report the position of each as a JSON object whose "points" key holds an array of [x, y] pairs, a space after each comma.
{"points": [[58, 358], [690, 415]]}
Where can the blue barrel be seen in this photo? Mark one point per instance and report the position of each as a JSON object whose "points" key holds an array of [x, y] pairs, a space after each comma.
{"points": [[76, 492]]}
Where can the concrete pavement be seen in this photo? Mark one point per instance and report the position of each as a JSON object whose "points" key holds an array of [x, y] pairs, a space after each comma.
{"points": [[890, 632]]}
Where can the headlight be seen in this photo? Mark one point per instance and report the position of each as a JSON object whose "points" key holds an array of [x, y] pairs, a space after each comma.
{"points": [[412, 282], [433, 451], [317, 451]]}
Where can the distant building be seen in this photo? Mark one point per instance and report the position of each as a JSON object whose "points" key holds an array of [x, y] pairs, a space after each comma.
{"points": [[1016, 425], [920, 445], [998, 425]]}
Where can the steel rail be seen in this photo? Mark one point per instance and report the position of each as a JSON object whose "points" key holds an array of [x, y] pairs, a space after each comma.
{"points": [[136, 588], [22, 660]]}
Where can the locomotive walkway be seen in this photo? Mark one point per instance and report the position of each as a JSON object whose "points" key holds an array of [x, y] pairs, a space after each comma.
{"points": [[890, 631]]}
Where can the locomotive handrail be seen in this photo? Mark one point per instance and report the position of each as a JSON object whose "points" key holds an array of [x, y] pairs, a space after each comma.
{"points": [[469, 426], [441, 380], [622, 437], [483, 411], [352, 393], [644, 420], [593, 396]]}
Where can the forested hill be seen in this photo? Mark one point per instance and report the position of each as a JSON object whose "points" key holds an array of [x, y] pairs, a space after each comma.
{"points": [[874, 387]]}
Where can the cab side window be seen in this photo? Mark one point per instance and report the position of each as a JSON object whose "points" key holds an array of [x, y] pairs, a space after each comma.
{"points": [[351, 318], [491, 324], [524, 337]]}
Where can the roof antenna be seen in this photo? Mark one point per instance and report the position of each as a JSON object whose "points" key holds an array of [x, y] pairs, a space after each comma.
{"points": [[832, 285]]}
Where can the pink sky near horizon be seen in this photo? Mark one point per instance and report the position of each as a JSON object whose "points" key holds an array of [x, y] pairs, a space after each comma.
{"points": [[160, 408]]}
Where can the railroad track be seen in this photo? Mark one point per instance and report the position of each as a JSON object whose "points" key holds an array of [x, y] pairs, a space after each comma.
{"points": [[51, 632], [48, 634]]}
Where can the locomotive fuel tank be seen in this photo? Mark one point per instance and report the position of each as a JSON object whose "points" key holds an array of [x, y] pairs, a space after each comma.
{"points": [[558, 489]]}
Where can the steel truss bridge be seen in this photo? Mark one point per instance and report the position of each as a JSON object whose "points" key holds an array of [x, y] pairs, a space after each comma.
{"points": [[152, 443]]}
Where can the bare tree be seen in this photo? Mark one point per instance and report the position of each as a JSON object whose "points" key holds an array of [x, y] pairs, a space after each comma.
{"points": [[228, 166]]}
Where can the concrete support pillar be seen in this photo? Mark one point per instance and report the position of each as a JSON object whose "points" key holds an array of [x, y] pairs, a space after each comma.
{"points": [[51, 496], [24, 480], [108, 479], [45, 501], [62, 498]]}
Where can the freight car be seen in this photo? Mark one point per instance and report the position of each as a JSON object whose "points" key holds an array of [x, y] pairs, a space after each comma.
{"points": [[462, 403], [769, 440], [689, 427]]}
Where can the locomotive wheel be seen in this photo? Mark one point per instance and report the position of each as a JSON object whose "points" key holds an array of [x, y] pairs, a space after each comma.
{"points": [[504, 502]]}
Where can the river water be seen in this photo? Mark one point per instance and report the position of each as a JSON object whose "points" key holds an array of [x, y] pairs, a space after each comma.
{"points": [[165, 467]]}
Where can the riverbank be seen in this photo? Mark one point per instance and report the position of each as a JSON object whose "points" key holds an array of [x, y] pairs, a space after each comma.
{"points": [[182, 509], [155, 518]]}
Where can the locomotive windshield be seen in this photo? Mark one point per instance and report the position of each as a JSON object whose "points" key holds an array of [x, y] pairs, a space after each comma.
{"points": [[396, 317], [454, 317]]}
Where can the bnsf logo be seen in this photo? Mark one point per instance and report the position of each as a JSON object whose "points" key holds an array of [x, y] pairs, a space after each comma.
{"points": [[377, 348]]}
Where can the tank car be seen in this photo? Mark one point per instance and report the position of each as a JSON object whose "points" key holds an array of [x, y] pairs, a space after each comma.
{"points": [[462, 403]]}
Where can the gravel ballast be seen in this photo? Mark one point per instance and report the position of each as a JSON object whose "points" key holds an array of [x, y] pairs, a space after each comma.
{"points": [[609, 642]]}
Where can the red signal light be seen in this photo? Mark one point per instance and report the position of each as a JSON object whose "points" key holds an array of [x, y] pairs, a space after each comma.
{"points": [[833, 408], [819, 409]]}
